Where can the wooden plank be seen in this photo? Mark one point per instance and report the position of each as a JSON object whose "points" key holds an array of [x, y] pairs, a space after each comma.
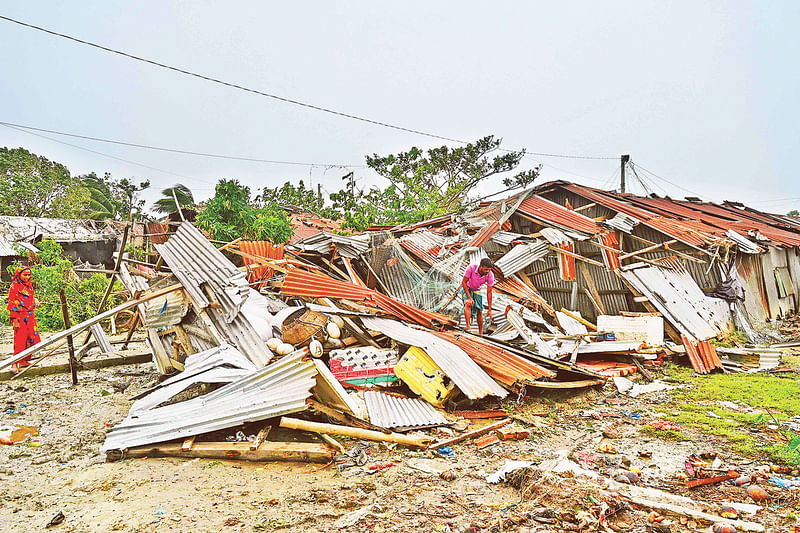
{"points": [[652, 248], [579, 319], [305, 452], [598, 303], [62, 335], [567, 384], [576, 256], [261, 437], [332, 429], [471, 434]]}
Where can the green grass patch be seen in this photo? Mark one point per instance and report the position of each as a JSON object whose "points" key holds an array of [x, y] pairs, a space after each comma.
{"points": [[664, 434], [761, 391], [695, 407]]}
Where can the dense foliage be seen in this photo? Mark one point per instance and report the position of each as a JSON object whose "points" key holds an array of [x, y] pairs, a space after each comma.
{"points": [[230, 215], [113, 199], [297, 196], [427, 183], [52, 272], [32, 185], [166, 204]]}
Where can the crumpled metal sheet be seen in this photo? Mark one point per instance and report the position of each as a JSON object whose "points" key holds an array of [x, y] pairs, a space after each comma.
{"points": [[391, 412], [165, 311], [221, 364], [745, 245], [196, 262], [680, 300], [454, 362], [278, 389], [521, 256]]}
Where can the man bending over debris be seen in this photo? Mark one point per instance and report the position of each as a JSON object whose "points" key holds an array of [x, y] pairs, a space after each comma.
{"points": [[474, 277]]}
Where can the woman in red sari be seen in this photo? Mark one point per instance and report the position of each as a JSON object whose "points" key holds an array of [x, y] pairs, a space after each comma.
{"points": [[21, 303]]}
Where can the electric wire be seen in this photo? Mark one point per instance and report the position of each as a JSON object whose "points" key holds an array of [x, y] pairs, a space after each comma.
{"points": [[653, 174], [179, 151], [107, 155], [275, 96]]}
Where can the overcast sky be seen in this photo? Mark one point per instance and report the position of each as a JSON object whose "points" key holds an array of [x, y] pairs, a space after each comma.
{"points": [[702, 94]]}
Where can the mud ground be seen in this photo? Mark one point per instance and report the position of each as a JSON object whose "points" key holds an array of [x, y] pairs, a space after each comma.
{"points": [[61, 470]]}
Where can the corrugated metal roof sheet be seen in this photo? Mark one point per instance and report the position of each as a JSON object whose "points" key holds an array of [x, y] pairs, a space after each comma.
{"points": [[550, 212], [310, 285], [392, 412], [165, 311], [255, 250], [502, 365], [278, 389], [745, 245], [7, 248], [679, 299], [459, 367], [221, 364], [196, 262], [521, 256]]}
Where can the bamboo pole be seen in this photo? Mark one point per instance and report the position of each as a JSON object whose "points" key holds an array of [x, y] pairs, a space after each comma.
{"points": [[579, 319], [366, 434], [65, 313]]}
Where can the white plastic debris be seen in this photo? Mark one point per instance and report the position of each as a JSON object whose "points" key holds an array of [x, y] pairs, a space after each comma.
{"points": [[507, 468]]}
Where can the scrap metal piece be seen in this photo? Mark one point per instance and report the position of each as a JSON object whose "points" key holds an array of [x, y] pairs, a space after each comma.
{"points": [[401, 413], [278, 389]]}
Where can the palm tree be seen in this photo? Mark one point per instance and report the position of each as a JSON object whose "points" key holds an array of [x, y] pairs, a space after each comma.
{"points": [[102, 204], [166, 204]]}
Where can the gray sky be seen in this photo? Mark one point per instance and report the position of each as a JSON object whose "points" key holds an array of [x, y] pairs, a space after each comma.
{"points": [[703, 94]]}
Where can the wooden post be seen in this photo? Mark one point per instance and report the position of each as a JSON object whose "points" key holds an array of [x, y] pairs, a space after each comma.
{"points": [[113, 278], [67, 325], [136, 319]]}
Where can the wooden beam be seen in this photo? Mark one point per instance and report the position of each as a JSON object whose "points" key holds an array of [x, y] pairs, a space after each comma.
{"points": [[567, 384], [652, 248], [62, 335], [598, 303], [587, 206], [344, 418], [679, 254], [579, 319], [332, 429], [303, 452], [576, 256], [333, 443], [471, 434]]}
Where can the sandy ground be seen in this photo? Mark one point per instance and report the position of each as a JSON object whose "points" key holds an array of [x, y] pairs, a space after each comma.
{"points": [[60, 470]]}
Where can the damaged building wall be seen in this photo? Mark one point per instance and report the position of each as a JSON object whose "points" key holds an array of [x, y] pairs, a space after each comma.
{"points": [[780, 290]]}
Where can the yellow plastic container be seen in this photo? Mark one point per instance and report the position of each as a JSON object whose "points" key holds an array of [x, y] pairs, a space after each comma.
{"points": [[424, 377]]}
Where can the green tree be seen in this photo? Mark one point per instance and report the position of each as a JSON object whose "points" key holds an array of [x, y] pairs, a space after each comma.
{"points": [[297, 196], [32, 185], [793, 213], [230, 215], [113, 199], [166, 204], [427, 183]]}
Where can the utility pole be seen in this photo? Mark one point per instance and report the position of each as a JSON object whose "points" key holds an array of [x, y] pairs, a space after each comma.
{"points": [[623, 162]]}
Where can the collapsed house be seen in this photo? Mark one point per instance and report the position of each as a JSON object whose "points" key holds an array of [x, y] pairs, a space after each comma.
{"points": [[367, 330]]}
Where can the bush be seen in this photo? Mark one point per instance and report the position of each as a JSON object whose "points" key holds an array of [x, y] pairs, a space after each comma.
{"points": [[52, 272]]}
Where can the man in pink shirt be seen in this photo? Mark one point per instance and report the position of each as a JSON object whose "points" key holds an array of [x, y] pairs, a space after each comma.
{"points": [[474, 278]]}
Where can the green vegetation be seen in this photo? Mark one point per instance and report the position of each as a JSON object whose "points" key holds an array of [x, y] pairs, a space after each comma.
{"points": [[166, 204], [426, 183], [664, 434], [52, 272], [32, 185], [769, 395], [230, 215], [113, 199]]}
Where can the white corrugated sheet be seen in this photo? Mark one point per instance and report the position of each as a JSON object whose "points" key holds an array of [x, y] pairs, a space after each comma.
{"points": [[678, 298], [521, 256], [454, 362], [745, 245], [278, 389], [621, 222], [392, 412], [195, 262]]}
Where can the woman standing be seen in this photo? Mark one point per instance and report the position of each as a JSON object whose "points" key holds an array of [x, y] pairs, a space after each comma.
{"points": [[21, 303]]}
